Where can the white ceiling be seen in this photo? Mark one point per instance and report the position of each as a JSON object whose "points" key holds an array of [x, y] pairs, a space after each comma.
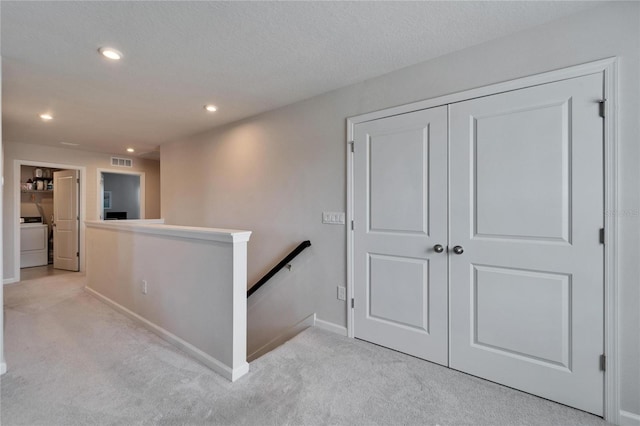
{"points": [[245, 57]]}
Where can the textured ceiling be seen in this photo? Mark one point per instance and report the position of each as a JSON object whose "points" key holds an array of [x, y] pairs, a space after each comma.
{"points": [[245, 57]]}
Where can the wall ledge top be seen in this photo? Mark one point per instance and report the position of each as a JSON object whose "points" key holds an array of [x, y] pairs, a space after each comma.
{"points": [[158, 227]]}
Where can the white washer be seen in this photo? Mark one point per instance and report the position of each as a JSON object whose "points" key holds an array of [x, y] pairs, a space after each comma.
{"points": [[34, 245]]}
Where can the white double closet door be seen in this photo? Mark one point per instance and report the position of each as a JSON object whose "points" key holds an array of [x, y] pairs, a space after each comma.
{"points": [[511, 187]]}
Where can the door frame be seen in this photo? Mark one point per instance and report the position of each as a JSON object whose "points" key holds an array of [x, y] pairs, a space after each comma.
{"points": [[608, 67], [100, 188], [17, 164]]}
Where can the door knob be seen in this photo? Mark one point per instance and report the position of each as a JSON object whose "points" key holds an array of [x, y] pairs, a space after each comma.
{"points": [[438, 248], [458, 250]]}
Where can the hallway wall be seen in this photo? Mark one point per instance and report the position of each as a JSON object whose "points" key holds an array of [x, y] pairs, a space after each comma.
{"points": [[275, 173], [3, 365], [92, 161]]}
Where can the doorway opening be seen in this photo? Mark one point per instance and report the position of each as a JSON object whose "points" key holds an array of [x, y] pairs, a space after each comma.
{"points": [[41, 204], [46, 228], [121, 195]]}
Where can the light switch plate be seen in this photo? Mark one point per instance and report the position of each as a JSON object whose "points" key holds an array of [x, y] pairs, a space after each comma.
{"points": [[342, 293], [333, 218]]}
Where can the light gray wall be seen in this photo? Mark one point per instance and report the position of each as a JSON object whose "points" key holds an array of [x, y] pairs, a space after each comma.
{"points": [[3, 365], [125, 193], [195, 285], [275, 173]]}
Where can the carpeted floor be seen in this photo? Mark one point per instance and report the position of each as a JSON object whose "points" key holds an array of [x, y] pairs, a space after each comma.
{"points": [[74, 361]]}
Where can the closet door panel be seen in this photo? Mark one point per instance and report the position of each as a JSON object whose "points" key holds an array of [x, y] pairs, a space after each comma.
{"points": [[526, 209], [400, 212]]}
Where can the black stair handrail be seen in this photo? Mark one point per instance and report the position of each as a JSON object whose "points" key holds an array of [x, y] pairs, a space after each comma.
{"points": [[303, 245]]}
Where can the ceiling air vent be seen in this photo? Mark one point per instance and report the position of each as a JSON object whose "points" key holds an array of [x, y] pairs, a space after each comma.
{"points": [[121, 162]]}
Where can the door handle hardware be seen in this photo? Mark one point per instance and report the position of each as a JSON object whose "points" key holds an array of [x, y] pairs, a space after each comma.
{"points": [[438, 248], [458, 250]]}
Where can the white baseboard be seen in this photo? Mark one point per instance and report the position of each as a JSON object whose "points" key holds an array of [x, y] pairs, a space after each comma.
{"points": [[629, 419], [10, 280], [329, 326], [283, 337], [3, 368], [219, 367]]}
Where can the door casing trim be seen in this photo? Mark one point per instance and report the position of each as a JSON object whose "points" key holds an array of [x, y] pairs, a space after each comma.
{"points": [[608, 67]]}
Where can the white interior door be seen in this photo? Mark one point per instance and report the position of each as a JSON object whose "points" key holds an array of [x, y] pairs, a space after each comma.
{"points": [[400, 208], [66, 220], [521, 225], [526, 208]]}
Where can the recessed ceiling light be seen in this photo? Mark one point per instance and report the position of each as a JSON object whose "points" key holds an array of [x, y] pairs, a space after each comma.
{"points": [[46, 117], [131, 150], [211, 108], [111, 53], [69, 143]]}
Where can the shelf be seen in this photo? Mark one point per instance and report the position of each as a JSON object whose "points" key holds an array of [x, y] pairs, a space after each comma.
{"points": [[35, 190]]}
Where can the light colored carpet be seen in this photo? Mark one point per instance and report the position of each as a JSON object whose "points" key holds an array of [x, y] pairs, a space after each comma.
{"points": [[74, 361]]}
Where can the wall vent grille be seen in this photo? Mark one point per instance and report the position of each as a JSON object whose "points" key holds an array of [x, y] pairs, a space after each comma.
{"points": [[121, 162]]}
